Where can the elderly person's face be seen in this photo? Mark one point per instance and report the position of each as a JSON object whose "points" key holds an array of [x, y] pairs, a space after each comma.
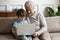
{"points": [[30, 9]]}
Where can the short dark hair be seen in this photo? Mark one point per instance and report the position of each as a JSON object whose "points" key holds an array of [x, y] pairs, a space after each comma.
{"points": [[21, 12]]}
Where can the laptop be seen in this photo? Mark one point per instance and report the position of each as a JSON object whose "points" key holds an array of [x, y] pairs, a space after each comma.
{"points": [[25, 29]]}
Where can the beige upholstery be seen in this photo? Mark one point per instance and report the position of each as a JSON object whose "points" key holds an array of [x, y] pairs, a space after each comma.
{"points": [[6, 36], [53, 24], [5, 28], [55, 36], [6, 24]]}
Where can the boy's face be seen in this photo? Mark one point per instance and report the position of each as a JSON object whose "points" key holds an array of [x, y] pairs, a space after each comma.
{"points": [[21, 18]]}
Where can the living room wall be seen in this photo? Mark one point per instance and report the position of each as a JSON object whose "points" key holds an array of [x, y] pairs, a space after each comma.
{"points": [[42, 4]]}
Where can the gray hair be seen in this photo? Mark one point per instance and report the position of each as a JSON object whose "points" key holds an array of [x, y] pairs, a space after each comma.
{"points": [[29, 3]]}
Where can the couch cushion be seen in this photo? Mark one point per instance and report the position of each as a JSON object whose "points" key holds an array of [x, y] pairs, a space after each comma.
{"points": [[53, 23], [6, 24], [55, 36], [6, 37]]}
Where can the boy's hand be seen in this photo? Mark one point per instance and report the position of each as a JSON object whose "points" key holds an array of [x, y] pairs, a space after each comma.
{"points": [[35, 34]]}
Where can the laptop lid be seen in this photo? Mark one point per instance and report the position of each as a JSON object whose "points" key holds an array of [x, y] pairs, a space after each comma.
{"points": [[25, 29]]}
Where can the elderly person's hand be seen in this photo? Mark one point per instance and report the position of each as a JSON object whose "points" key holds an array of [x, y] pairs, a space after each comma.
{"points": [[35, 34]]}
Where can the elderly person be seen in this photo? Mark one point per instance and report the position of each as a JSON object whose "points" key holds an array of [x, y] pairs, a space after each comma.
{"points": [[36, 17]]}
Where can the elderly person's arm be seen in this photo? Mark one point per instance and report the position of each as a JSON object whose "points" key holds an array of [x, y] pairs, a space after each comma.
{"points": [[43, 25]]}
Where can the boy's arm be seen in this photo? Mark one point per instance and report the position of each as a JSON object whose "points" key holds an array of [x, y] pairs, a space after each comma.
{"points": [[14, 31]]}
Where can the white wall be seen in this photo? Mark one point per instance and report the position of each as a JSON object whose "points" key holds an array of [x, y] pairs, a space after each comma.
{"points": [[14, 2], [50, 3], [42, 4]]}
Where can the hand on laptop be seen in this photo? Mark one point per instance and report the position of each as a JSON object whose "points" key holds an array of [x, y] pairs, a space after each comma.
{"points": [[35, 34]]}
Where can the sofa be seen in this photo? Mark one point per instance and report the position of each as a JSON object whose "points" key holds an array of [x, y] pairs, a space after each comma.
{"points": [[6, 28], [53, 24]]}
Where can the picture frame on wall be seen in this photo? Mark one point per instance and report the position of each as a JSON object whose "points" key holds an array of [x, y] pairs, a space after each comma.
{"points": [[2, 8], [14, 7]]}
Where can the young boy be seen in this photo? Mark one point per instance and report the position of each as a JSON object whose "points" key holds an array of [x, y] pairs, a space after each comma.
{"points": [[21, 14]]}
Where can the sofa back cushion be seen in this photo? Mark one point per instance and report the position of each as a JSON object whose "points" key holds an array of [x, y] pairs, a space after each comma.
{"points": [[53, 24], [6, 24]]}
